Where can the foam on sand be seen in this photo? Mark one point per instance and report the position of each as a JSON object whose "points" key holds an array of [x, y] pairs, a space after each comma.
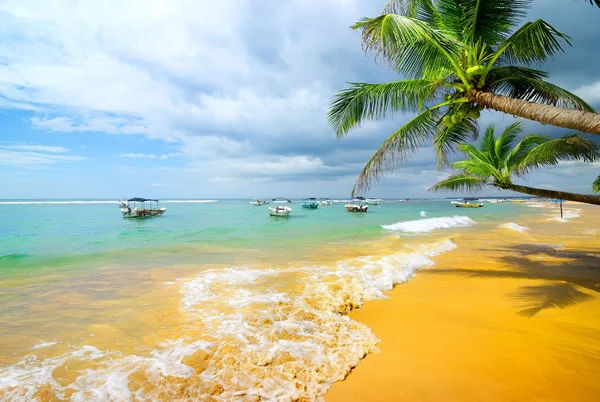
{"points": [[514, 226], [274, 334], [430, 224]]}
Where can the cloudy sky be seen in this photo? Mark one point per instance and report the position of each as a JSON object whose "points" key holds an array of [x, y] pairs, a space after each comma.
{"points": [[216, 99]]}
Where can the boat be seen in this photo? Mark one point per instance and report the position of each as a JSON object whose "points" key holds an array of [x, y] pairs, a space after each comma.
{"points": [[325, 202], [310, 203], [279, 210], [466, 204], [140, 209], [258, 202], [373, 201], [280, 200], [358, 204]]}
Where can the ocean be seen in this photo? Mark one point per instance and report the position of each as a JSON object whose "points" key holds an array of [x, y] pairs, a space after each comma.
{"points": [[214, 300]]}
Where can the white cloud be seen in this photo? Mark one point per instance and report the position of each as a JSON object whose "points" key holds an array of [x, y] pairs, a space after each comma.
{"points": [[589, 92], [35, 156], [149, 156], [35, 148]]}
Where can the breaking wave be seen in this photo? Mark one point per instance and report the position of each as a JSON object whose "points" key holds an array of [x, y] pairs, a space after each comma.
{"points": [[257, 334], [430, 224], [514, 226]]}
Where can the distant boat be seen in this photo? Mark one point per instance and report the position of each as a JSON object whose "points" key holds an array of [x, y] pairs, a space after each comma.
{"points": [[258, 202], [140, 209], [310, 203], [325, 202], [279, 210], [358, 204], [466, 204], [373, 201], [280, 200]]}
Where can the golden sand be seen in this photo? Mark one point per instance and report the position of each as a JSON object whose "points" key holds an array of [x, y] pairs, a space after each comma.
{"points": [[507, 316]]}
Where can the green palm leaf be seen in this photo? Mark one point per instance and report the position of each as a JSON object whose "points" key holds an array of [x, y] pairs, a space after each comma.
{"points": [[534, 42], [460, 182], [448, 138], [536, 90], [363, 102], [550, 152], [490, 21], [596, 185], [410, 45], [503, 145], [394, 150]]}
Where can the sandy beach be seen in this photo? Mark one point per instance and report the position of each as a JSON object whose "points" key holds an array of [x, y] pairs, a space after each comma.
{"points": [[507, 316]]}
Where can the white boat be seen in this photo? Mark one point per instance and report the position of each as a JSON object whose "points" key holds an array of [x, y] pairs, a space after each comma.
{"points": [[141, 208], [357, 204], [280, 200], [373, 201], [279, 210], [258, 202], [325, 202], [466, 204]]}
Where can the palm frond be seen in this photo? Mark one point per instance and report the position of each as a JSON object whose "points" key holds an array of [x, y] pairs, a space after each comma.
{"points": [[406, 140], [410, 46], [362, 101], [504, 143], [423, 10], [487, 143], [460, 182], [596, 185], [551, 152], [534, 42], [539, 91], [491, 21], [501, 73], [476, 167], [520, 150], [447, 139]]}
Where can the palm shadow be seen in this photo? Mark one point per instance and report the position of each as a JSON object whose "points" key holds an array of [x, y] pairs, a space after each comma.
{"points": [[582, 270]]}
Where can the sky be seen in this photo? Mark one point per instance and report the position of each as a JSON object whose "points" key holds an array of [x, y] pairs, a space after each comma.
{"points": [[227, 99]]}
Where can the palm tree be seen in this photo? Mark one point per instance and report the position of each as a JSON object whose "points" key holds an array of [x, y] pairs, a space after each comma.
{"points": [[459, 57], [596, 185], [497, 160]]}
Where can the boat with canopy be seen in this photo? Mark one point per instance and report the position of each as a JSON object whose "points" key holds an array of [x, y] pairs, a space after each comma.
{"points": [[138, 207]]}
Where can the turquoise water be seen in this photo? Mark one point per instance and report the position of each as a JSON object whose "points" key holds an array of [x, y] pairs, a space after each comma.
{"points": [[210, 299], [60, 233]]}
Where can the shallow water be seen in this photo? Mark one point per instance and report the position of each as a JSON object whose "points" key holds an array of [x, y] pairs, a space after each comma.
{"points": [[212, 300]]}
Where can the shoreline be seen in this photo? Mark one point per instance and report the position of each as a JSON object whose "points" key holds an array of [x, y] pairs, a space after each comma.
{"points": [[519, 322]]}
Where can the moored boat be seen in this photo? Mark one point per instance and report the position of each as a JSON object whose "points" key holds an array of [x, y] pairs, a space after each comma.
{"points": [[357, 204], [325, 202], [258, 202], [310, 203], [140, 209], [280, 200], [466, 204], [373, 201], [279, 210]]}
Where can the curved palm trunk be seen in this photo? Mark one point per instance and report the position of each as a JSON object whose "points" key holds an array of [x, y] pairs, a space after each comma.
{"points": [[561, 195], [576, 119]]}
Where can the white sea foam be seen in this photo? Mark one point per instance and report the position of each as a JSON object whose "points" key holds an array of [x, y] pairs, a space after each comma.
{"points": [[423, 213], [430, 224], [263, 340], [567, 214], [514, 226], [43, 345]]}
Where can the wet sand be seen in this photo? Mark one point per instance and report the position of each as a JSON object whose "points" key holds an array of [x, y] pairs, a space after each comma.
{"points": [[507, 316]]}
